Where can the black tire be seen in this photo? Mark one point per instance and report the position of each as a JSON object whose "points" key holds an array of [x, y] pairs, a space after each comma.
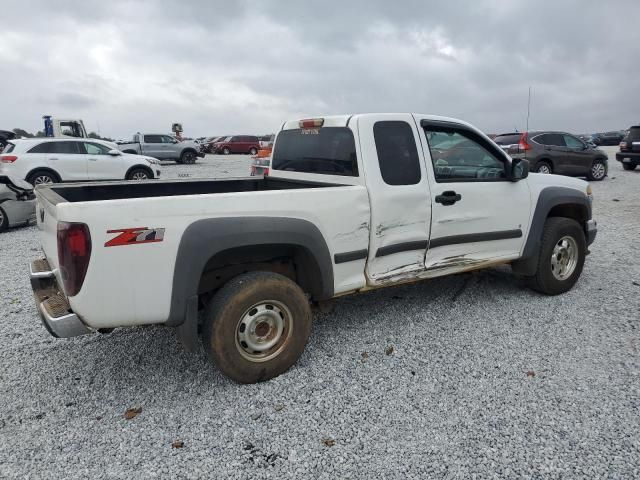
{"points": [[629, 166], [35, 178], [226, 151], [138, 174], [188, 157], [4, 221], [253, 151], [541, 166], [555, 229], [232, 312], [598, 171]]}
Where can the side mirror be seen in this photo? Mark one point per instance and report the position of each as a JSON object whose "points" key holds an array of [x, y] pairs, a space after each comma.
{"points": [[115, 152], [519, 169]]}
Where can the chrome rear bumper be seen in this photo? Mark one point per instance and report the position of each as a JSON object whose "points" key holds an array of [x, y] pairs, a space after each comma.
{"points": [[52, 303]]}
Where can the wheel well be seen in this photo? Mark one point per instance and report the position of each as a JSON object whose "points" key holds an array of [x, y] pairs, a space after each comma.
{"points": [[188, 150], [139, 167], [574, 211], [292, 261], [546, 160], [43, 169]]}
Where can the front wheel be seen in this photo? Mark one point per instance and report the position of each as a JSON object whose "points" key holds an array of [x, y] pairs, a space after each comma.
{"points": [[543, 167], [598, 171], [256, 326], [4, 221], [629, 166], [226, 151], [562, 253], [138, 174], [188, 158]]}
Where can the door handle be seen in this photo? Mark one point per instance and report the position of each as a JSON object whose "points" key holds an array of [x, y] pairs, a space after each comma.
{"points": [[53, 158], [448, 198], [93, 159]]}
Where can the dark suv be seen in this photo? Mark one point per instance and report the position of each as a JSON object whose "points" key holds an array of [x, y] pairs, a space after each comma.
{"points": [[556, 152], [629, 154], [237, 144], [608, 138]]}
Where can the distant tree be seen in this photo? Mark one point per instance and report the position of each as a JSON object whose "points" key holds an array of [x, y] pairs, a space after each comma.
{"points": [[98, 137], [22, 133]]}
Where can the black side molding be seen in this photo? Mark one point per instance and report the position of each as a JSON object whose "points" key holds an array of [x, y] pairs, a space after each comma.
{"points": [[402, 247], [350, 256], [475, 237]]}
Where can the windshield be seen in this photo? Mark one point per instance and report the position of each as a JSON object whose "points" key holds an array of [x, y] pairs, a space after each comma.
{"points": [[328, 151]]}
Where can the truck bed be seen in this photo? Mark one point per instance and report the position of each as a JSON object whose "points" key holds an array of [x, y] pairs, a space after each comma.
{"points": [[93, 192]]}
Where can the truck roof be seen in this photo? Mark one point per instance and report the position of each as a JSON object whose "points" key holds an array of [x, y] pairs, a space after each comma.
{"points": [[343, 120]]}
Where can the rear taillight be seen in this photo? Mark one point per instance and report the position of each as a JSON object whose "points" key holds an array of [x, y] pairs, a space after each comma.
{"points": [[523, 144], [74, 252], [623, 146], [8, 158]]}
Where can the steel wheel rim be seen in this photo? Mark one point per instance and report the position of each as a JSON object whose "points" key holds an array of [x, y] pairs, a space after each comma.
{"points": [[598, 170], [564, 258], [42, 180], [139, 176], [544, 169], [263, 331]]}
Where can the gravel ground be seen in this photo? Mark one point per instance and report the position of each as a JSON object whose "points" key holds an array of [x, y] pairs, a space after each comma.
{"points": [[471, 376]]}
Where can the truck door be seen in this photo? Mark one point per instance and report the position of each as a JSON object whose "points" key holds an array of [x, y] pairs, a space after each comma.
{"points": [[151, 145], [399, 195], [478, 216]]}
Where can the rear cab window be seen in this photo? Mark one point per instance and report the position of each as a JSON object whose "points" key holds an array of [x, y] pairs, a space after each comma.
{"points": [[397, 153], [325, 150]]}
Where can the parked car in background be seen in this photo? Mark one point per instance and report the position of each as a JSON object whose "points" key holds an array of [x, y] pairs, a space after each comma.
{"points": [[237, 144], [52, 160], [629, 154], [207, 145], [266, 141], [558, 152], [162, 147], [608, 138], [588, 139], [17, 202], [506, 140]]}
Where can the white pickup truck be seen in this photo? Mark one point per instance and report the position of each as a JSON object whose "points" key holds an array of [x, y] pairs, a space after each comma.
{"points": [[353, 203]]}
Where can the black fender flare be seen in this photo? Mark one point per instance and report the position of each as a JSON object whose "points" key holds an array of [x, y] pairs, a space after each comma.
{"points": [[203, 239], [549, 198]]}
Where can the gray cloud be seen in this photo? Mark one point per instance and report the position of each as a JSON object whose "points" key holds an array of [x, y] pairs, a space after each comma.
{"points": [[224, 67]]}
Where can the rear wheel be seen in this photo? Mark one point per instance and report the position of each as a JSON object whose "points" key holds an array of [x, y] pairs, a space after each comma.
{"points": [[629, 166], [138, 174], [253, 151], [188, 157], [543, 167], [42, 177], [256, 326], [562, 253], [598, 171], [4, 221]]}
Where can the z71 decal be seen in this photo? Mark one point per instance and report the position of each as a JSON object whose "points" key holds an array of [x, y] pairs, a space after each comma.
{"points": [[135, 236]]}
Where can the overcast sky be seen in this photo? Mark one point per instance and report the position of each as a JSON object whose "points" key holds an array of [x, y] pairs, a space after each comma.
{"points": [[223, 67]]}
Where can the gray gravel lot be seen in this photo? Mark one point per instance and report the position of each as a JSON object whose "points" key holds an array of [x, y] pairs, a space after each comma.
{"points": [[485, 379]]}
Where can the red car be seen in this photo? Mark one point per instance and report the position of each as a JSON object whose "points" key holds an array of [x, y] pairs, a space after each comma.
{"points": [[237, 144]]}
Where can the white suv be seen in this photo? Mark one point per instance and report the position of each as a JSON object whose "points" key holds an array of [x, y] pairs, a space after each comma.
{"points": [[51, 160]]}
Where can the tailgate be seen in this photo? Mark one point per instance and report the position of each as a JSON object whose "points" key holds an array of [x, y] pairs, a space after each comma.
{"points": [[47, 221]]}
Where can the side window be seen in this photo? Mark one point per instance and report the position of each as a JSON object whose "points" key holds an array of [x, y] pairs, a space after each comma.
{"points": [[461, 156], [153, 139], [167, 139], [550, 139], [69, 148], [96, 149], [42, 148], [234, 139], [397, 153], [573, 142]]}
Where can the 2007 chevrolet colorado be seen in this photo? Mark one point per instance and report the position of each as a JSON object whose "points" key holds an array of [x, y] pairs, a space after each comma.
{"points": [[352, 203]]}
